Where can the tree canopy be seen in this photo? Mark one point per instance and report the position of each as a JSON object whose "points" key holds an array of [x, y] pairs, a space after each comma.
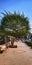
{"points": [[15, 24]]}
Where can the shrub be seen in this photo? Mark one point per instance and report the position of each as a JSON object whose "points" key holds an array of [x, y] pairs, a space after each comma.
{"points": [[1, 41], [28, 42]]}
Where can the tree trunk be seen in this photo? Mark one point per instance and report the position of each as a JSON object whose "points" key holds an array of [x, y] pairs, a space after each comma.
{"points": [[12, 42]]}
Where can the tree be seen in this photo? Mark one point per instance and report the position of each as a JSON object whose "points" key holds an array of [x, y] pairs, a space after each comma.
{"points": [[15, 24]]}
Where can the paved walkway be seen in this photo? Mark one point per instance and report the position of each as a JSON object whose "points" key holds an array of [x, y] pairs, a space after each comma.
{"points": [[22, 55]]}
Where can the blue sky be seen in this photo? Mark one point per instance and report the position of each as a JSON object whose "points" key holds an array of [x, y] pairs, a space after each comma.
{"points": [[18, 6]]}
